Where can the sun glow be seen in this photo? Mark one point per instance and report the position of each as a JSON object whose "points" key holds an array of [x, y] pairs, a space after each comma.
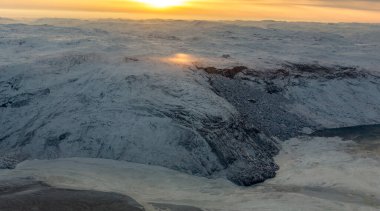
{"points": [[163, 3], [179, 59]]}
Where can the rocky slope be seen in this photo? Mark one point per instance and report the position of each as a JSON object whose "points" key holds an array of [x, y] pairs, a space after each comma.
{"points": [[299, 98]]}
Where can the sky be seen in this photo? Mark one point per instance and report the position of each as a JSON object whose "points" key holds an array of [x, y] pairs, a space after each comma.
{"points": [[287, 10]]}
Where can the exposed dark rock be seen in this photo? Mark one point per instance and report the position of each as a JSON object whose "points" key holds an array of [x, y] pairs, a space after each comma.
{"points": [[131, 59], [267, 112], [332, 72], [292, 70], [226, 72], [174, 207], [26, 139], [9, 161], [367, 138], [309, 71], [22, 99], [15, 82], [245, 154], [356, 133], [17, 101], [55, 141], [273, 89], [163, 36], [28, 194]]}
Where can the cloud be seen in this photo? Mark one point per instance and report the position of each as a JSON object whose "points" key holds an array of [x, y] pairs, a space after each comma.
{"points": [[369, 5]]}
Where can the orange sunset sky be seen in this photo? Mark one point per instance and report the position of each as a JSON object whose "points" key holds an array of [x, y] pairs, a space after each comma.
{"points": [[295, 10]]}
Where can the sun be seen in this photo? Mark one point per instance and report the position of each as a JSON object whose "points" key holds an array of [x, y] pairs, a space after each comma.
{"points": [[163, 3]]}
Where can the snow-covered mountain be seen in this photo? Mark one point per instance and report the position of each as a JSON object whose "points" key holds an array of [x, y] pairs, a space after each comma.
{"points": [[206, 98]]}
